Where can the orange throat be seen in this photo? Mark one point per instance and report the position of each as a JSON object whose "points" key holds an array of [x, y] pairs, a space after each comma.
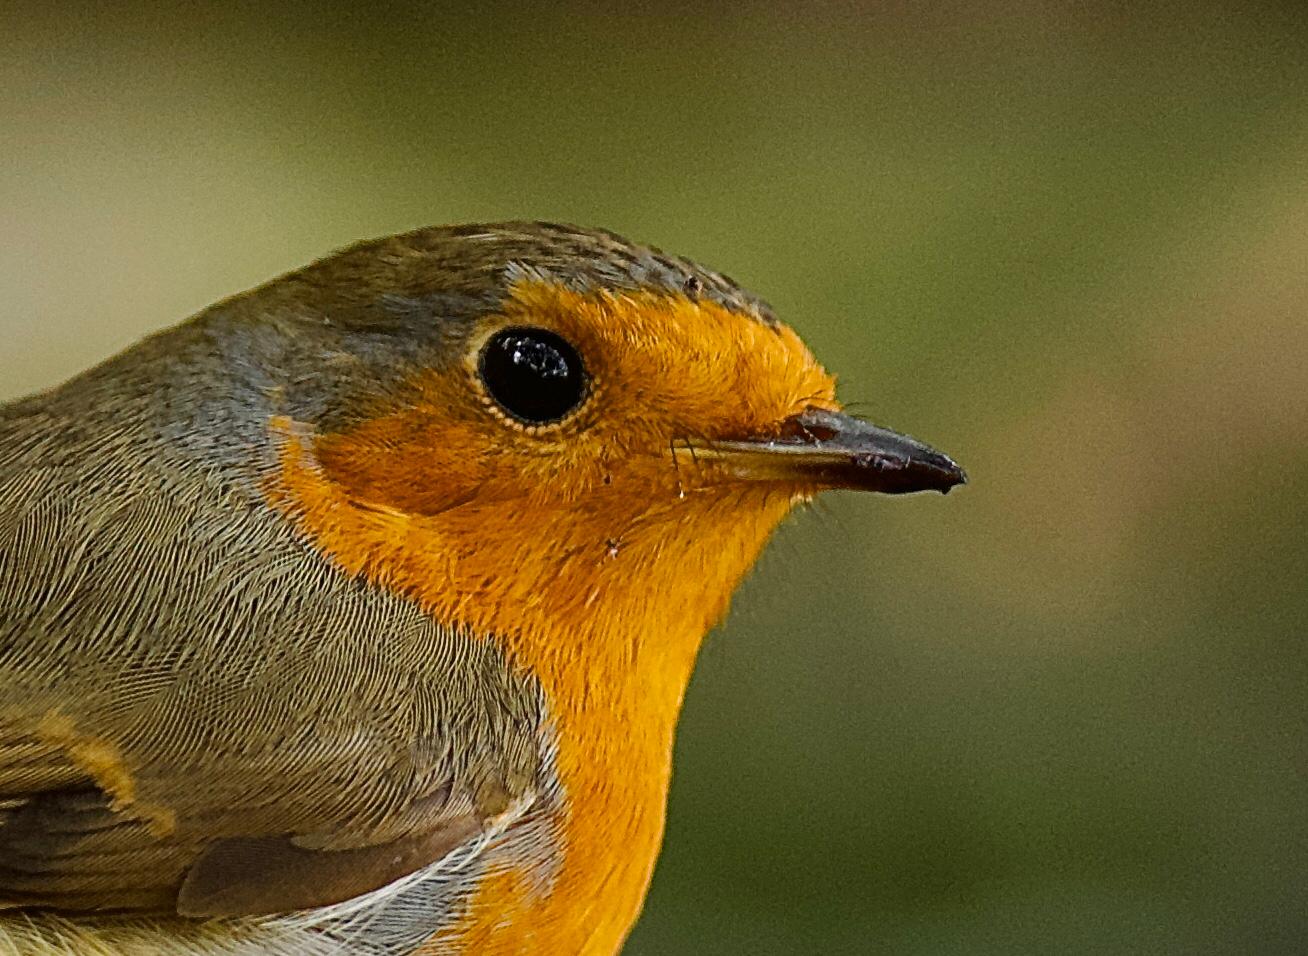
{"points": [[605, 603]]}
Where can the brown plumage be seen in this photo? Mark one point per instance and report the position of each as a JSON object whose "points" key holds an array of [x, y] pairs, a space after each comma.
{"points": [[150, 723]]}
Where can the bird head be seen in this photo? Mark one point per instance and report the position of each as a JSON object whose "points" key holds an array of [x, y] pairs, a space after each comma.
{"points": [[553, 434]]}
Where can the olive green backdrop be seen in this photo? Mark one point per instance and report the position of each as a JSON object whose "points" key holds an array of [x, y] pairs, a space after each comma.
{"points": [[1061, 711]]}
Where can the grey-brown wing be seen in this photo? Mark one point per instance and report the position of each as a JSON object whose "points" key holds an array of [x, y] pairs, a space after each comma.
{"points": [[191, 695]]}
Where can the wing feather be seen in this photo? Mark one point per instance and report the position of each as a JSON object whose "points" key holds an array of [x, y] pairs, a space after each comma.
{"points": [[194, 701]]}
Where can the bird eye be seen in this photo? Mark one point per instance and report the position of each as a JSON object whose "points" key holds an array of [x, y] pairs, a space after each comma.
{"points": [[533, 374]]}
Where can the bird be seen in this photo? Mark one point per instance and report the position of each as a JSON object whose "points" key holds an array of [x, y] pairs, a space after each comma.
{"points": [[354, 614]]}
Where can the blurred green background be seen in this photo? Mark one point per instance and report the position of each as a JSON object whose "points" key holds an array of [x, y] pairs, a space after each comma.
{"points": [[1061, 711]]}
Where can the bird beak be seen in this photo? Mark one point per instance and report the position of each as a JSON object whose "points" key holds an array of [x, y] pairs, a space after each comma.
{"points": [[833, 450]]}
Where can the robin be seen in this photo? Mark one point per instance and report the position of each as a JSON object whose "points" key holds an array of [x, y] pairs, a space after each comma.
{"points": [[354, 614]]}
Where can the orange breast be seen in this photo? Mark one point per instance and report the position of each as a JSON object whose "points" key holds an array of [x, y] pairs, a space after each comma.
{"points": [[609, 832], [611, 636]]}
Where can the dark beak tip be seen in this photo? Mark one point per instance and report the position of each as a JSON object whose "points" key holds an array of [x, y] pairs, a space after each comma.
{"points": [[957, 476], [954, 477], [906, 474], [933, 471]]}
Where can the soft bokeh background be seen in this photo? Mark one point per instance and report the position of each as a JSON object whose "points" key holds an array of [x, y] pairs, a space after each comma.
{"points": [[1061, 711]]}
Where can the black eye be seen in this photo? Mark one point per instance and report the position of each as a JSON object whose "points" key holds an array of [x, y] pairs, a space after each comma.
{"points": [[534, 375]]}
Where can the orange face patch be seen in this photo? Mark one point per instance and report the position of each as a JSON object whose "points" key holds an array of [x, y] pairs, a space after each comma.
{"points": [[596, 556], [662, 368]]}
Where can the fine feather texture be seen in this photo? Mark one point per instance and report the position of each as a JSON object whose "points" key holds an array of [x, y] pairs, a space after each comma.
{"points": [[306, 649], [180, 673]]}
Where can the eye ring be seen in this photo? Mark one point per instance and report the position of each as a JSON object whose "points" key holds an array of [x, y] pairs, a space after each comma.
{"points": [[534, 377]]}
